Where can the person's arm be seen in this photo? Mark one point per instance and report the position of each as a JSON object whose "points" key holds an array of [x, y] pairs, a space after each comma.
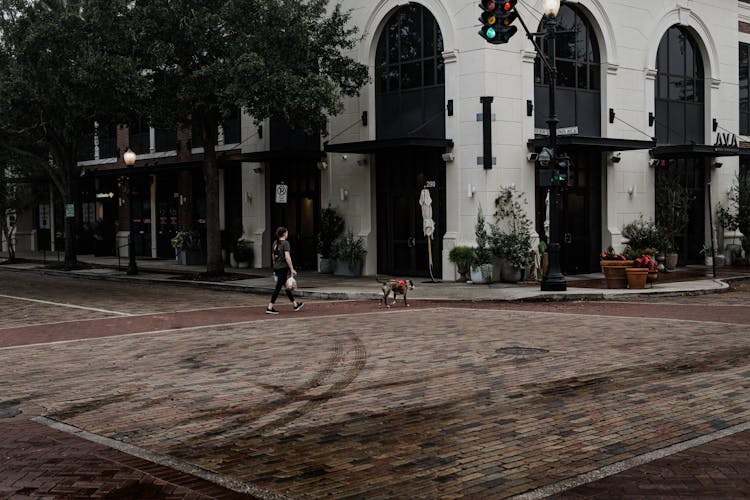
{"points": [[288, 258]]}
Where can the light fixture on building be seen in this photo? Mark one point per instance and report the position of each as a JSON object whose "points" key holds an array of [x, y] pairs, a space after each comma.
{"points": [[550, 8], [471, 190], [448, 157], [631, 191], [343, 194]]}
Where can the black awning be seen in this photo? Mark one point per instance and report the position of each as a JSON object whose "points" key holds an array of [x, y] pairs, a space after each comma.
{"points": [[693, 151], [602, 144], [284, 154], [386, 144]]}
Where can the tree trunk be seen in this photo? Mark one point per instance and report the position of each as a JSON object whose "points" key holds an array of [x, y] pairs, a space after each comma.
{"points": [[214, 262]]}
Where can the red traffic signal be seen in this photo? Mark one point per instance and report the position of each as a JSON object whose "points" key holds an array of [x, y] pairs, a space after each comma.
{"points": [[496, 18]]}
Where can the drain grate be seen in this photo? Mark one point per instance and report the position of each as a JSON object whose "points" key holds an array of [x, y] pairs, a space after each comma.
{"points": [[521, 351]]}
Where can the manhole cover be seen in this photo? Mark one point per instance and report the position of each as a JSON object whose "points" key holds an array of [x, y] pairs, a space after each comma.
{"points": [[9, 409], [521, 351]]}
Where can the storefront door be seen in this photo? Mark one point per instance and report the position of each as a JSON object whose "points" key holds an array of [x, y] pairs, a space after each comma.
{"points": [[402, 246], [300, 211], [167, 205]]}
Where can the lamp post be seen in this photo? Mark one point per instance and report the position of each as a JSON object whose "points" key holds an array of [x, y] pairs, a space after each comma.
{"points": [[129, 159], [553, 281]]}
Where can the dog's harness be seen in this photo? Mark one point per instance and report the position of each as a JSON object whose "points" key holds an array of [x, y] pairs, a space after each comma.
{"points": [[401, 286]]}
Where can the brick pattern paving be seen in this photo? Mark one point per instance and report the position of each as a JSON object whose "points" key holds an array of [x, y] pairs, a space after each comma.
{"points": [[39, 462], [415, 403], [720, 469]]}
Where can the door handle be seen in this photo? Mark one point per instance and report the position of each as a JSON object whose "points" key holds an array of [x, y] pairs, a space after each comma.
{"points": [[411, 242], [568, 238]]}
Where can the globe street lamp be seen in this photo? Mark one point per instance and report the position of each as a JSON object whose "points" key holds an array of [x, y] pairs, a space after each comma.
{"points": [[129, 158], [553, 281]]}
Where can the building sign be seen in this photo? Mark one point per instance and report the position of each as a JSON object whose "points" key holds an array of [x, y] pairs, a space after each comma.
{"points": [[282, 190], [560, 131], [726, 143]]}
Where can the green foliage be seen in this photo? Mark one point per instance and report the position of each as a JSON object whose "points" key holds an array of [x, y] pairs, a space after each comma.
{"points": [[350, 249], [463, 258], [482, 254], [643, 233], [511, 234], [186, 240], [244, 251], [331, 227], [65, 66], [739, 203]]}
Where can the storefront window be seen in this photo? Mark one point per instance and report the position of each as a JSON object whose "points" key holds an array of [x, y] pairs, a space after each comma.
{"points": [[744, 90]]}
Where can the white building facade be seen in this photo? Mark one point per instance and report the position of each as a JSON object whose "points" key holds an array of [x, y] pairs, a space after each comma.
{"points": [[622, 101]]}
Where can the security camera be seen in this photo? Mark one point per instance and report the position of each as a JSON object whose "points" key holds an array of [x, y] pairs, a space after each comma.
{"points": [[532, 156], [322, 165], [653, 163], [448, 157], [616, 158], [258, 170]]}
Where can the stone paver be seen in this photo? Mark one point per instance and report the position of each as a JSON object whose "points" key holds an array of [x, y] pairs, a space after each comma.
{"points": [[415, 403]]}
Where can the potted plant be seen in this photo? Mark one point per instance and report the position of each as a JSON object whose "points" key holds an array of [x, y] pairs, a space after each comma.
{"points": [[613, 266], [244, 253], [349, 253], [187, 248], [707, 252], [511, 234], [331, 227], [643, 233], [481, 267], [462, 257], [637, 275]]}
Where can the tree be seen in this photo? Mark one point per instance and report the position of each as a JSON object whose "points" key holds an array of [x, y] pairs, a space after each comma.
{"points": [[279, 58], [66, 65]]}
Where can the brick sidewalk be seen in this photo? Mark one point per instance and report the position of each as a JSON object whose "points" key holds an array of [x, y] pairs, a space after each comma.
{"points": [[39, 462]]}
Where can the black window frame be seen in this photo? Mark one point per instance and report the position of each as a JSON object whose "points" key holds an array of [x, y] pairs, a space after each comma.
{"points": [[744, 87]]}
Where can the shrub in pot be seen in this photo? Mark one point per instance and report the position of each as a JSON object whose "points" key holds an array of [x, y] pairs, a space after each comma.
{"points": [[462, 257], [511, 234], [349, 253], [244, 253], [481, 267]]}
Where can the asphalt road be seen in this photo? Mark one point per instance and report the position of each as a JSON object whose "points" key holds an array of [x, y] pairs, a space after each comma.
{"points": [[121, 391]]}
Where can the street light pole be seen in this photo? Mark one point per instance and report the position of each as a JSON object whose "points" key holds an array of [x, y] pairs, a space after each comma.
{"points": [[129, 158], [553, 281]]}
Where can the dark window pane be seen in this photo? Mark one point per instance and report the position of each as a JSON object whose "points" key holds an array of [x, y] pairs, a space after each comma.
{"points": [[429, 72], [411, 75], [381, 54], [744, 67], [410, 34], [699, 89], [594, 77], [582, 80], [677, 44], [393, 78], [566, 74], [676, 88], [440, 71], [166, 140], [393, 43], [662, 91], [428, 39]]}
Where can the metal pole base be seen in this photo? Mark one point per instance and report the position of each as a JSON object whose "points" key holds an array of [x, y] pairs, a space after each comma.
{"points": [[554, 285]]}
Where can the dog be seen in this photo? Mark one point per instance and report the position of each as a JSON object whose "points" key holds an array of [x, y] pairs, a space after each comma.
{"points": [[396, 287]]}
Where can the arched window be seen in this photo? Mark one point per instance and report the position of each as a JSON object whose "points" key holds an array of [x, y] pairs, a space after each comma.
{"points": [[576, 54], [578, 75], [679, 89], [410, 75]]}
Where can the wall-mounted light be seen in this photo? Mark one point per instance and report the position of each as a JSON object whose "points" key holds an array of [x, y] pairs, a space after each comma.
{"points": [[631, 191], [714, 124], [344, 157], [249, 197], [611, 115], [470, 190], [529, 107], [343, 194], [183, 199], [448, 157], [651, 119], [449, 107], [364, 118]]}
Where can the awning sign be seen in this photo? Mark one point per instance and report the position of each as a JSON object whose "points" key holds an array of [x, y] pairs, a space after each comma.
{"points": [[560, 131], [282, 190]]}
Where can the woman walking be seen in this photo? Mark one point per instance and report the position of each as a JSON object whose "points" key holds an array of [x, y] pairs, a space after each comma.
{"points": [[282, 269]]}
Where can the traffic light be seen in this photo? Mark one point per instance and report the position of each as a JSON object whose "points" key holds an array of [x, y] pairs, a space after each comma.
{"points": [[561, 175], [497, 18]]}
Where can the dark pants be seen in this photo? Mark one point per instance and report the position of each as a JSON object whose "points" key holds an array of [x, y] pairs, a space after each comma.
{"points": [[281, 276]]}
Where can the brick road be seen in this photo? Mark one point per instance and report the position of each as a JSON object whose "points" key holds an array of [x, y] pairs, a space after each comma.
{"points": [[348, 400]]}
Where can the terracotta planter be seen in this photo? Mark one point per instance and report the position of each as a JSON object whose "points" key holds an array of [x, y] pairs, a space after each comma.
{"points": [[637, 277], [614, 272], [652, 277], [671, 262]]}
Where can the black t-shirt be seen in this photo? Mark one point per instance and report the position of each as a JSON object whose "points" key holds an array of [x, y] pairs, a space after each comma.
{"points": [[279, 261]]}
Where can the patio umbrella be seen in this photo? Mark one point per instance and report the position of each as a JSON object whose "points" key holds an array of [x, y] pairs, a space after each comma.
{"points": [[428, 225]]}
